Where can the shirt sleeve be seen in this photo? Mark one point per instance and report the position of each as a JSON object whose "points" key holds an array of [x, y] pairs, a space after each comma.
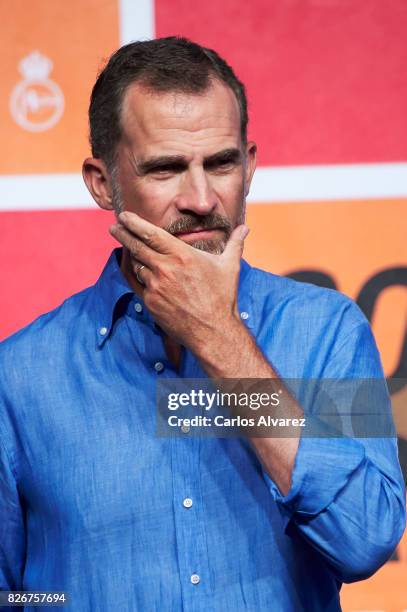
{"points": [[12, 530], [347, 496]]}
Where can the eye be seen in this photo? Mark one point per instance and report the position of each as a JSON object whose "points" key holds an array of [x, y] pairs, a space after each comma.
{"points": [[221, 165], [161, 171], [165, 171]]}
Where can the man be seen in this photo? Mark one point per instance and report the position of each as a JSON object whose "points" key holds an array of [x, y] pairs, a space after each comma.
{"points": [[93, 502]]}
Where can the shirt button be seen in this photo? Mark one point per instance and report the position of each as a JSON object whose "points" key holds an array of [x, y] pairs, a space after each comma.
{"points": [[158, 367], [103, 331], [244, 315], [195, 579], [138, 307], [187, 503], [185, 428]]}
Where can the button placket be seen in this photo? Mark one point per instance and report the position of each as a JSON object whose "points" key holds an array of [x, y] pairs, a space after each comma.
{"points": [[189, 520]]}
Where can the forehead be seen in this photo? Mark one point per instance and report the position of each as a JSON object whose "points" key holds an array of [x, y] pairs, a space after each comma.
{"points": [[174, 120]]}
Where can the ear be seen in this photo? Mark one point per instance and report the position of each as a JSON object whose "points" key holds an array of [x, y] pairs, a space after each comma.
{"points": [[97, 180], [251, 150]]}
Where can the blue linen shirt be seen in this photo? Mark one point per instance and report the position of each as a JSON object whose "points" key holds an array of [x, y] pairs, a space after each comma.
{"points": [[92, 501]]}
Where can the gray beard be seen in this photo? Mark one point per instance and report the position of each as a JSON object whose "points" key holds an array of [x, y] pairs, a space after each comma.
{"points": [[117, 200], [216, 247]]}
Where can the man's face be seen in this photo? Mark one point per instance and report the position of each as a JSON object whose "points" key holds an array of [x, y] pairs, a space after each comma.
{"points": [[181, 163]]}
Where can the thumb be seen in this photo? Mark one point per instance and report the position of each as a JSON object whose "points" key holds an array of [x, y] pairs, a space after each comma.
{"points": [[234, 247]]}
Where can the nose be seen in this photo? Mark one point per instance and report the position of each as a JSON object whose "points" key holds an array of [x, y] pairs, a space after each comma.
{"points": [[196, 193]]}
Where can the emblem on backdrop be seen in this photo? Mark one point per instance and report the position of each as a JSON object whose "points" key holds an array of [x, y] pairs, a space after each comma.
{"points": [[36, 103]]}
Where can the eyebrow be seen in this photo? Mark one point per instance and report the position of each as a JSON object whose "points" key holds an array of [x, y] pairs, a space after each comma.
{"points": [[231, 155]]}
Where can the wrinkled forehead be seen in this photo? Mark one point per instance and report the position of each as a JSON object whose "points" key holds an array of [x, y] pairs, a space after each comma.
{"points": [[150, 116]]}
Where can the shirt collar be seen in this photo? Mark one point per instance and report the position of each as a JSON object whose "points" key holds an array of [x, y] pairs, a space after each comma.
{"points": [[112, 286], [109, 289], [245, 295]]}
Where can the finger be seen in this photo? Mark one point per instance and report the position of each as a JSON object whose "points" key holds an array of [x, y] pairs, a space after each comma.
{"points": [[155, 237], [140, 251], [235, 244]]}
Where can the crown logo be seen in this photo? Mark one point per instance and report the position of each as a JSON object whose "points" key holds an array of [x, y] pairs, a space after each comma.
{"points": [[35, 66]]}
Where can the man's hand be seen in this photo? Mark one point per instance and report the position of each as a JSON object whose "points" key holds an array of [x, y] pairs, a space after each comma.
{"points": [[193, 297], [191, 294]]}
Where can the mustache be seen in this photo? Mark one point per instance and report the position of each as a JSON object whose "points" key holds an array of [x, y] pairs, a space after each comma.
{"points": [[190, 222]]}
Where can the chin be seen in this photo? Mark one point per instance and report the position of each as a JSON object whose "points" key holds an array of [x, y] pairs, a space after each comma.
{"points": [[216, 247]]}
